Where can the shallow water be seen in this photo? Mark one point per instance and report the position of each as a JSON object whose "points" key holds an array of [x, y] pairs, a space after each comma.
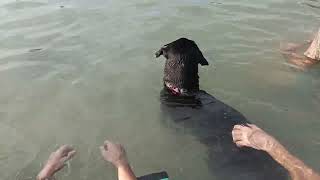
{"points": [[78, 72]]}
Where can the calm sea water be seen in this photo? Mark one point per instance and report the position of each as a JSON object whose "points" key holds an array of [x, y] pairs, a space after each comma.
{"points": [[87, 72]]}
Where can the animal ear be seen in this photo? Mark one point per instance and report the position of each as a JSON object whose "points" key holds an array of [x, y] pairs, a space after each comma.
{"points": [[201, 60], [161, 51]]}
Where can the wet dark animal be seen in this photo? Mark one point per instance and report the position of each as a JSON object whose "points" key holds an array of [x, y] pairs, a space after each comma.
{"points": [[187, 109]]}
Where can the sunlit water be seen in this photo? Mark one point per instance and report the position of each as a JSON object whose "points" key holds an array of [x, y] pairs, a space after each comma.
{"points": [[79, 72]]}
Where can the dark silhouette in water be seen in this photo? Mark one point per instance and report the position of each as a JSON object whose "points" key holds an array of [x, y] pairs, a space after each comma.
{"points": [[196, 112]]}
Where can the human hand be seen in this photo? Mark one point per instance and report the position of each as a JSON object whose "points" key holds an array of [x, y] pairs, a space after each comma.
{"points": [[56, 161], [114, 153], [252, 136]]}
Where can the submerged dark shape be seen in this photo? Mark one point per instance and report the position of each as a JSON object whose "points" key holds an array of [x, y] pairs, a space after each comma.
{"points": [[35, 49], [193, 111]]}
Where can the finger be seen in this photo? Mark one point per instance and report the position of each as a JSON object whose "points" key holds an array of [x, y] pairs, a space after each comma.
{"points": [[64, 147], [237, 130], [109, 145], [252, 126], [107, 142], [61, 148], [71, 154], [241, 144], [63, 160], [243, 127], [119, 145], [237, 127], [68, 156], [102, 149], [61, 167], [236, 133], [64, 150], [246, 125], [237, 138]]}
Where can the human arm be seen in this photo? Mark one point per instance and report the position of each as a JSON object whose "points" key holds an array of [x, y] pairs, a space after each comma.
{"points": [[254, 137], [115, 154], [56, 162]]}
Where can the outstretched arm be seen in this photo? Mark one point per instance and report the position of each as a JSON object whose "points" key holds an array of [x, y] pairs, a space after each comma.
{"points": [[56, 162], [115, 154], [254, 137]]}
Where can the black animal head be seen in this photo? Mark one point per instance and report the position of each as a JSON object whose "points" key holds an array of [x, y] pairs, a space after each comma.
{"points": [[181, 67]]}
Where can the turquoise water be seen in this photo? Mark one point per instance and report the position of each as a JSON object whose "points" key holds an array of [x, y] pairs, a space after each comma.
{"points": [[84, 72]]}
